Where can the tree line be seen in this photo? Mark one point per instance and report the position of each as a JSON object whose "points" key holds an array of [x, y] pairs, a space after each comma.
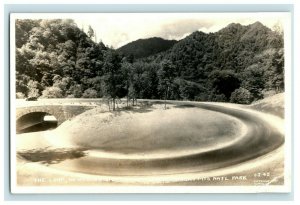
{"points": [[56, 59]]}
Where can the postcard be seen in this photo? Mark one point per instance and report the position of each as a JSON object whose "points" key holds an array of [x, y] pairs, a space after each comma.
{"points": [[150, 102]]}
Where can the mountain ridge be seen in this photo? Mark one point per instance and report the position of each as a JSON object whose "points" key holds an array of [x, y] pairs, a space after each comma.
{"points": [[146, 47]]}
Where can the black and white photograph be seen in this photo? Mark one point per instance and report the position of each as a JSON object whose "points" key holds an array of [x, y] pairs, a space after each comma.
{"points": [[150, 102]]}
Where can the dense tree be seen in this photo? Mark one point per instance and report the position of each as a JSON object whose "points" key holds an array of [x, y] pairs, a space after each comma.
{"points": [[150, 81], [241, 96], [135, 86], [113, 77], [253, 81], [75, 91], [166, 76], [224, 82], [54, 58], [89, 93], [276, 77], [52, 92], [189, 90], [126, 69], [23, 28], [56, 53], [91, 32], [33, 87]]}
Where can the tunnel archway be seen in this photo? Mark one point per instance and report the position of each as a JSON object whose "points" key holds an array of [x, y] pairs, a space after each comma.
{"points": [[36, 121]]}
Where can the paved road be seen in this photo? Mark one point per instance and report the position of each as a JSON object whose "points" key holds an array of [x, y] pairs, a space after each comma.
{"points": [[261, 138]]}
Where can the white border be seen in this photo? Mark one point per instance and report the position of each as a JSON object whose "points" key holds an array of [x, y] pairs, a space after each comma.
{"points": [[288, 100], [154, 189], [13, 151]]}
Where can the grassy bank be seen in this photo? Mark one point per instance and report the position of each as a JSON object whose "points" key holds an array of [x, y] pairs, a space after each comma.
{"points": [[273, 105]]}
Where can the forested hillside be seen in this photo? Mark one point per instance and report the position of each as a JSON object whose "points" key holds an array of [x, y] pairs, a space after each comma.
{"points": [[54, 59], [146, 47], [237, 61]]}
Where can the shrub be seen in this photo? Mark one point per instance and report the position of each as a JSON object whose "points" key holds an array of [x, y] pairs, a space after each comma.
{"points": [[89, 93], [241, 96], [70, 96], [52, 92], [217, 98], [33, 93], [75, 91], [20, 95], [33, 89]]}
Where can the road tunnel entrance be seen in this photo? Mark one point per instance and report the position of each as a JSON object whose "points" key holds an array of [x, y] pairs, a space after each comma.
{"points": [[35, 122]]}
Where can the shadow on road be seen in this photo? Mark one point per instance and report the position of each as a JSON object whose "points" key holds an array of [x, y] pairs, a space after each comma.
{"points": [[184, 106], [51, 156]]}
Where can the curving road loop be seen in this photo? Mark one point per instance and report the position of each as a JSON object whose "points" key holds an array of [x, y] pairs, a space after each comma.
{"points": [[261, 138]]}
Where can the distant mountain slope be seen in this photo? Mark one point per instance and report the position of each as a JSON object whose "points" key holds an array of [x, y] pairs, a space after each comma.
{"points": [[237, 56], [146, 47], [233, 47]]}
